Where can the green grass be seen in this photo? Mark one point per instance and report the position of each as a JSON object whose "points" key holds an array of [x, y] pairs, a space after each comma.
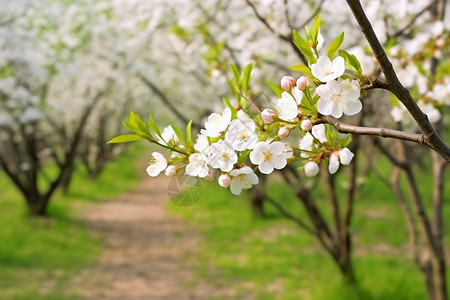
{"points": [[273, 259], [40, 256]]}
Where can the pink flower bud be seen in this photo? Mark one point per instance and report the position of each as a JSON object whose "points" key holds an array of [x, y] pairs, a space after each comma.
{"points": [[302, 82], [268, 116], [237, 107], [283, 132], [306, 125], [287, 82], [224, 180], [171, 171]]}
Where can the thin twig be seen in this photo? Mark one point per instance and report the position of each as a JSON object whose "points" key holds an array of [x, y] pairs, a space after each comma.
{"points": [[383, 132]]}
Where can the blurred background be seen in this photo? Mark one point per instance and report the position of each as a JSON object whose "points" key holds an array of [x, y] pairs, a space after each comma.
{"points": [[80, 220]]}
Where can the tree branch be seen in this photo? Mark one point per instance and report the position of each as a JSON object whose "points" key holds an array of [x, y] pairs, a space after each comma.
{"points": [[383, 132], [290, 216], [431, 137]]}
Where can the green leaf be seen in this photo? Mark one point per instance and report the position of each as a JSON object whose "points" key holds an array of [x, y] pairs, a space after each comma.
{"points": [[275, 88], [245, 76], [126, 138], [351, 59], [308, 33], [234, 89], [304, 47], [227, 103], [130, 127], [153, 126], [190, 143], [302, 69], [315, 30], [235, 71], [335, 45], [180, 135], [137, 122]]}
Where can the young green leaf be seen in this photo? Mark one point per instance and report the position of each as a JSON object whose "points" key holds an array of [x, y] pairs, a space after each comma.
{"points": [[245, 76], [352, 60], [137, 122], [235, 71], [302, 69], [335, 45], [153, 126], [180, 135], [275, 88], [190, 143], [130, 127], [234, 89], [304, 47], [126, 138], [315, 30], [227, 103]]}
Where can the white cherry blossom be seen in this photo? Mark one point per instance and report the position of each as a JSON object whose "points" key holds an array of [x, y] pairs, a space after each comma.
{"points": [[157, 164], [198, 165], [326, 70], [217, 123], [287, 105], [317, 133], [243, 178], [338, 97], [268, 156], [168, 136], [222, 156], [202, 143], [241, 134]]}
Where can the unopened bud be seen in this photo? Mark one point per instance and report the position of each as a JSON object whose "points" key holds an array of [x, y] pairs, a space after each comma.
{"points": [[287, 82], [311, 169], [237, 107], [171, 171], [306, 125], [283, 132], [268, 116], [302, 82], [224, 180]]}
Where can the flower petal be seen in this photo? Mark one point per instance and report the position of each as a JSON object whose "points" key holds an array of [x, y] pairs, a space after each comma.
{"points": [[235, 187], [324, 106], [278, 162], [256, 157], [276, 148], [352, 107], [333, 164], [336, 110], [265, 168]]}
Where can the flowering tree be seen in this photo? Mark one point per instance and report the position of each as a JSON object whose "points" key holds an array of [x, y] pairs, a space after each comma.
{"points": [[241, 141]]}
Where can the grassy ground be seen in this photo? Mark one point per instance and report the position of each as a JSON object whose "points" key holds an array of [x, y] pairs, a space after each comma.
{"points": [[38, 256], [273, 259]]}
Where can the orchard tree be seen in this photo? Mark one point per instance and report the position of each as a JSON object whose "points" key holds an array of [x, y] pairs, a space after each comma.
{"points": [[237, 143]]}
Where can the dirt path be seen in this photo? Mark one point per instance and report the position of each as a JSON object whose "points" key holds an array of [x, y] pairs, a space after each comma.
{"points": [[143, 249]]}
